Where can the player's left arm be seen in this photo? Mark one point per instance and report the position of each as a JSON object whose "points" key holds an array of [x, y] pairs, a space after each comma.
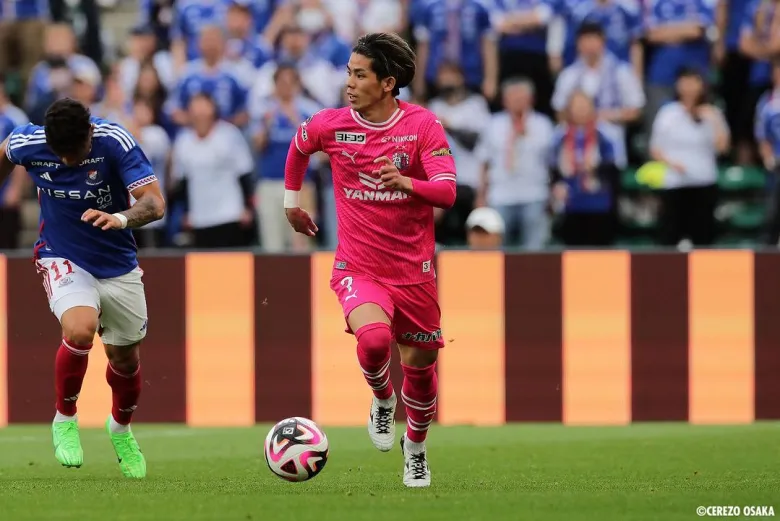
{"points": [[438, 163], [139, 178]]}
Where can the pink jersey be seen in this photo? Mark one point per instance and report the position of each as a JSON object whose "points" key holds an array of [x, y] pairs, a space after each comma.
{"points": [[383, 233]]}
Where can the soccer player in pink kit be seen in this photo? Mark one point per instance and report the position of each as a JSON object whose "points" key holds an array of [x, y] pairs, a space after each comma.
{"points": [[391, 166]]}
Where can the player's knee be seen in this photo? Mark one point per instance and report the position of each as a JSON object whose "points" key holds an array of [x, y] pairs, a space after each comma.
{"points": [[124, 358], [79, 325], [80, 333], [374, 337], [416, 357]]}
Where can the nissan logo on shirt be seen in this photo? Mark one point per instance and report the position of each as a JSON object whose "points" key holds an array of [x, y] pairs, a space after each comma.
{"points": [[357, 138]]}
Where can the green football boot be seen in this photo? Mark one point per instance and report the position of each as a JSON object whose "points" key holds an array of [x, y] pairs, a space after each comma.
{"points": [[128, 453], [67, 444]]}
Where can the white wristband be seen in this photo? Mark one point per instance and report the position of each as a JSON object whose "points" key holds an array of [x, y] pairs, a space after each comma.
{"points": [[291, 199], [122, 219]]}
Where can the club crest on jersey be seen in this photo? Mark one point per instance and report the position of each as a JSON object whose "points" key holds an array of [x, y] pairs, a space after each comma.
{"points": [[94, 178], [401, 160]]}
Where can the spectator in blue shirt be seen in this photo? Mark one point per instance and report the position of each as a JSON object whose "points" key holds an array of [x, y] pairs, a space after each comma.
{"points": [[281, 116], [522, 29], [189, 18], [680, 32], [60, 46], [622, 23], [759, 40], [318, 23], [584, 176], [244, 48], [458, 31], [214, 76]]}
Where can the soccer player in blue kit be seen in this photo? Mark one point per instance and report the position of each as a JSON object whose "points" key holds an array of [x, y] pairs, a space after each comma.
{"points": [[85, 169]]}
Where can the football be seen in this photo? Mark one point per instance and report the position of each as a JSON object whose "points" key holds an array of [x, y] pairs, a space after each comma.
{"points": [[296, 449]]}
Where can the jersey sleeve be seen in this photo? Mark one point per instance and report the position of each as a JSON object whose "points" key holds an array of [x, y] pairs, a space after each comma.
{"points": [[20, 141], [308, 138], [135, 169], [436, 154]]}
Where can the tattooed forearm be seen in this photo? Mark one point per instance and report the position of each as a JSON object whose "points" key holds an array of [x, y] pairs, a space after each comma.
{"points": [[149, 208]]}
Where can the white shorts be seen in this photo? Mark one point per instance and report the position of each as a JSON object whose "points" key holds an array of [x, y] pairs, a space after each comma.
{"points": [[121, 301]]}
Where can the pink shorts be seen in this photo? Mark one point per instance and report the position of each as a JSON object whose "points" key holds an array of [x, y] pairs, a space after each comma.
{"points": [[413, 310]]}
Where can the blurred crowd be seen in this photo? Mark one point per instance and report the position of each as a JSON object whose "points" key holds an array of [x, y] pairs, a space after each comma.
{"points": [[547, 103]]}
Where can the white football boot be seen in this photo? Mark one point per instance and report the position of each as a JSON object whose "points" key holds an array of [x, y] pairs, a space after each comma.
{"points": [[417, 474], [381, 423]]}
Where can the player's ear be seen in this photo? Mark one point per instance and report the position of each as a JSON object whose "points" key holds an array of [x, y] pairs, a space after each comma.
{"points": [[388, 84]]}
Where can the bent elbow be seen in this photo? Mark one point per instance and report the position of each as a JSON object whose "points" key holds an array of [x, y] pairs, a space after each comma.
{"points": [[451, 196], [159, 208]]}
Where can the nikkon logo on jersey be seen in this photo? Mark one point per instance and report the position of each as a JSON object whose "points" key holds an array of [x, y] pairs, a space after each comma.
{"points": [[400, 139], [356, 138]]}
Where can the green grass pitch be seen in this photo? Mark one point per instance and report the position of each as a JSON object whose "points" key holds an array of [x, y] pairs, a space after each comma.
{"points": [[535, 472]]}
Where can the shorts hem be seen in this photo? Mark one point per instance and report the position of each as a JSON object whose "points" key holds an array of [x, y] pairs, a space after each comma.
{"points": [[73, 300], [348, 329], [421, 346], [119, 341]]}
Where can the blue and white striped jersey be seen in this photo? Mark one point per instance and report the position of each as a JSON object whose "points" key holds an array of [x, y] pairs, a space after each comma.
{"points": [[115, 167]]}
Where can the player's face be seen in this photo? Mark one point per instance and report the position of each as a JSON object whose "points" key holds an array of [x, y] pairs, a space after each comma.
{"points": [[363, 87]]}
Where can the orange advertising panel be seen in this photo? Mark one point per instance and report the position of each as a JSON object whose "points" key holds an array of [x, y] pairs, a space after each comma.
{"points": [[596, 338], [340, 395], [721, 356], [220, 339], [471, 365]]}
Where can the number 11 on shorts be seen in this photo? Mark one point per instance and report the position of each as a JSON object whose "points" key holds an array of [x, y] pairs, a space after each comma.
{"points": [[57, 274]]}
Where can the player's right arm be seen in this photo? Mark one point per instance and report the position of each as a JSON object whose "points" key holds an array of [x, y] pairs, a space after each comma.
{"points": [[307, 141]]}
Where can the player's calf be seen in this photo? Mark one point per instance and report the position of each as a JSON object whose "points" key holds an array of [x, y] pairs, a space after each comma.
{"points": [[70, 366], [123, 375], [419, 394], [373, 352]]}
